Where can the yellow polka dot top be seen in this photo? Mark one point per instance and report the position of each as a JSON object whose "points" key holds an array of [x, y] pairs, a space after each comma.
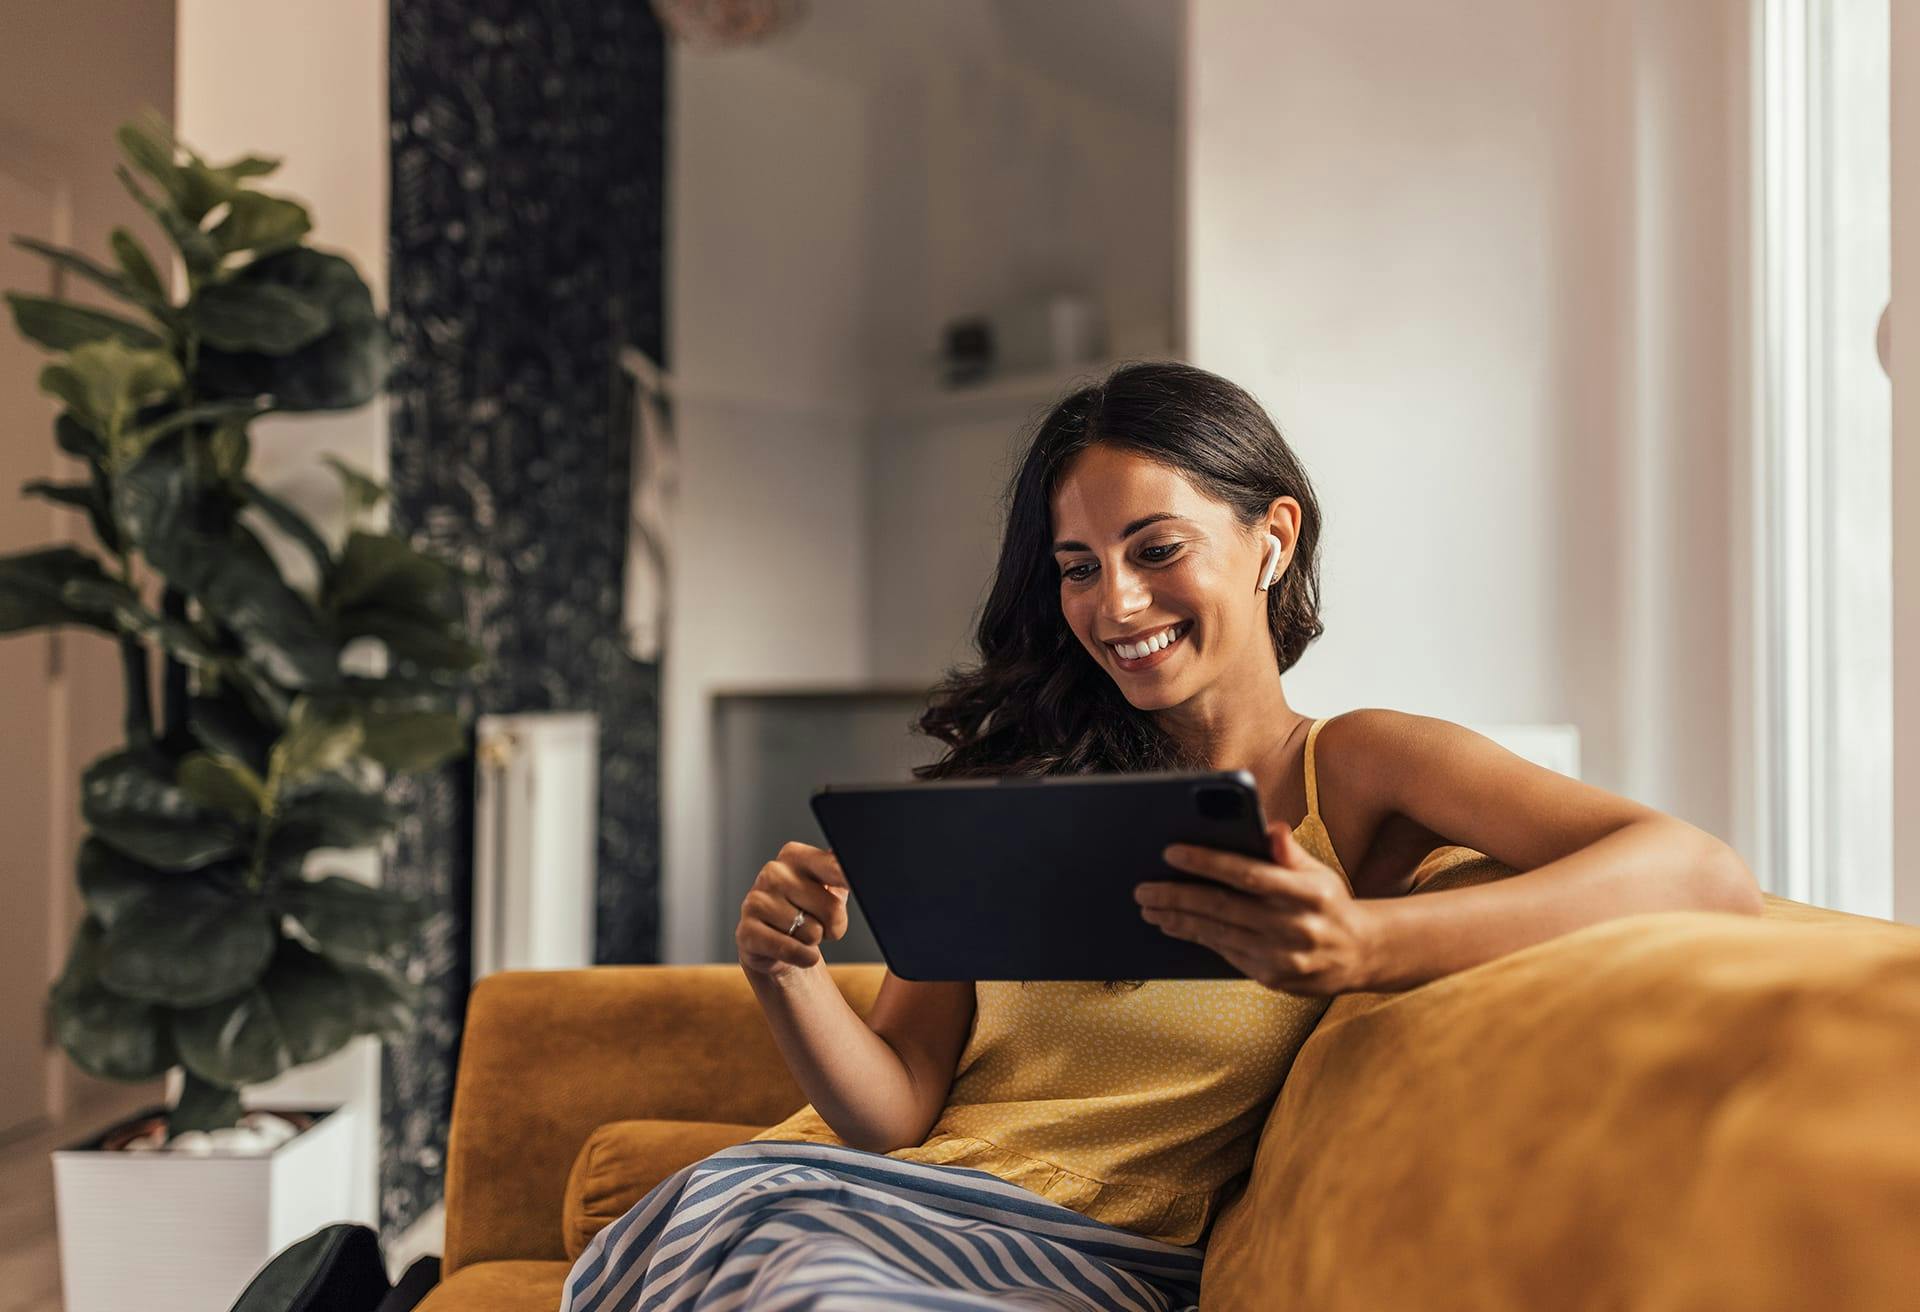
{"points": [[1137, 1107]]}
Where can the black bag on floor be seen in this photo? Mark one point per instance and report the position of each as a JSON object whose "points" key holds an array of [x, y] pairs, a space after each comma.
{"points": [[337, 1268]]}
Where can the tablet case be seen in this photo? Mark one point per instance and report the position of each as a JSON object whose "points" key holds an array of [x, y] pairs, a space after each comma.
{"points": [[1032, 878]]}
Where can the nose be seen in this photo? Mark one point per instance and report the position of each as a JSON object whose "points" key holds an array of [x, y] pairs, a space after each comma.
{"points": [[1122, 593]]}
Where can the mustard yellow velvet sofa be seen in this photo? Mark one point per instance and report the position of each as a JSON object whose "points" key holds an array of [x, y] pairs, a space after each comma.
{"points": [[1671, 1111]]}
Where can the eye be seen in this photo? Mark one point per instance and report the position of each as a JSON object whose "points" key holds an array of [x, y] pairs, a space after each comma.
{"points": [[1078, 572]]}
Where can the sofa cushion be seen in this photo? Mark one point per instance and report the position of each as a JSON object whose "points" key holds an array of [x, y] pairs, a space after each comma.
{"points": [[622, 1160], [1674, 1110]]}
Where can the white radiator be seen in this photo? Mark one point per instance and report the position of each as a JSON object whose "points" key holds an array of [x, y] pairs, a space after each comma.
{"points": [[535, 818]]}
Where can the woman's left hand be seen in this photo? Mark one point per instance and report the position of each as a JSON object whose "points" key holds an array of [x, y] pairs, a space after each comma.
{"points": [[1290, 923]]}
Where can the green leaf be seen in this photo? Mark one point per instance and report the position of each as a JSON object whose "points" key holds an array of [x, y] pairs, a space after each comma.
{"points": [[62, 325], [320, 736], [426, 643], [228, 448], [294, 525], [203, 1105], [233, 578], [313, 1002], [107, 384], [151, 148], [77, 495], [398, 692], [342, 369], [194, 945], [383, 1003], [413, 740], [354, 923], [256, 316], [220, 412], [301, 1010], [222, 724], [138, 268], [385, 569], [266, 700], [111, 882], [224, 784], [154, 503], [112, 280], [362, 493], [76, 439], [248, 166], [259, 222], [329, 812], [108, 1036], [195, 246], [31, 590], [89, 495], [178, 637], [130, 799]]}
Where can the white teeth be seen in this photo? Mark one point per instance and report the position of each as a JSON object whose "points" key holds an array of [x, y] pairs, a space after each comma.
{"points": [[1134, 651]]}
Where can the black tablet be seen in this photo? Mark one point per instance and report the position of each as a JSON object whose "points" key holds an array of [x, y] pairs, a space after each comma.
{"points": [[1023, 878]]}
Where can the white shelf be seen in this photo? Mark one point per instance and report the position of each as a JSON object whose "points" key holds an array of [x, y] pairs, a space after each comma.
{"points": [[992, 397]]}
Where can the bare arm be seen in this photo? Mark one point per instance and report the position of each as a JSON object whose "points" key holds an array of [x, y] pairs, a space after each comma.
{"points": [[1586, 854], [880, 1083]]}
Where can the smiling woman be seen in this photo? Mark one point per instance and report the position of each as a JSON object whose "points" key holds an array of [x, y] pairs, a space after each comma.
{"points": [[1156, 580]]}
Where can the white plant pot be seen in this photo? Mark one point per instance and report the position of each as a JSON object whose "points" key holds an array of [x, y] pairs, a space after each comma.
{"points": [[172, 1232]]}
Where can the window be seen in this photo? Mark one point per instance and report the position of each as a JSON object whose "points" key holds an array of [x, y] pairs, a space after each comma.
{"points": [[1822, 770]]}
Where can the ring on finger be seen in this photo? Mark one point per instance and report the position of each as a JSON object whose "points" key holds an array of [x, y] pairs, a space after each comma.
{"points": [[798, 918]]}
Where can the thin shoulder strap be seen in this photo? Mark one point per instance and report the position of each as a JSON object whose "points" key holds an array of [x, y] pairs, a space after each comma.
{"points": [[1313, 787]]}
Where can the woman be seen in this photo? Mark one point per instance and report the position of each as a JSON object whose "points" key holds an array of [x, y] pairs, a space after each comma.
{"points": [[1157, 579]]}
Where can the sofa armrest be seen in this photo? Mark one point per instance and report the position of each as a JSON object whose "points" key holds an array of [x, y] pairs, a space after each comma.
{"points": [[1668, 1109], [549, 1056]]}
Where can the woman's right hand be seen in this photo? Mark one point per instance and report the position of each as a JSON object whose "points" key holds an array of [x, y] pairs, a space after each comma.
{"points": [[801, 877]]}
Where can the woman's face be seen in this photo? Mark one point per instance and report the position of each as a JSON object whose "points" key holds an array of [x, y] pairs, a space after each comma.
{"points": [[1141, 550]]}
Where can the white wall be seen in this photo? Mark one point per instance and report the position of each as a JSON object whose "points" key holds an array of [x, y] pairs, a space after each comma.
{"points": [[833, 198], [766, 232], [1475, 261], [309, 84]]}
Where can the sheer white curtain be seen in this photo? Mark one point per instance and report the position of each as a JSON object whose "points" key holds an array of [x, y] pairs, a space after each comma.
{"points": [[1822, 779]]}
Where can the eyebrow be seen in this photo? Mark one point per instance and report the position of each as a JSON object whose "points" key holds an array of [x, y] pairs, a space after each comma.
{"points": [[1068, 544]]}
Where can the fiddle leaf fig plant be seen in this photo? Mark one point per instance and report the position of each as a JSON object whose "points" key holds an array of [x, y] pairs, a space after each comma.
{"points": [[207, 942]]}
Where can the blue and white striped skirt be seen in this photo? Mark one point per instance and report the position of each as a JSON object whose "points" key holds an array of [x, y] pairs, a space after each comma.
{"points": [[776, 1224]]}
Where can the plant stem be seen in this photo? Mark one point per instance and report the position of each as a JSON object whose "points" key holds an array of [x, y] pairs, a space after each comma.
{"points": [[173, 604], [202, 1106], [133, 663]]}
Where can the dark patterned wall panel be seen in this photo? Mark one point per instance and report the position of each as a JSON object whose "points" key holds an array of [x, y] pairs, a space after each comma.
{"points": [[526, 244]]}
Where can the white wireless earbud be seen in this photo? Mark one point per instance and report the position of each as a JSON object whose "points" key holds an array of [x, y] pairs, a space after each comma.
{"points": [[1270, 568]]}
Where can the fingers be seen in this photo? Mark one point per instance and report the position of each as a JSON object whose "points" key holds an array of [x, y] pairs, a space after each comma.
{"points": [[1257, 877], [763, 948], [818, 862], [796, 889], [1247, 951], [1220, 935], [1288, 851]]}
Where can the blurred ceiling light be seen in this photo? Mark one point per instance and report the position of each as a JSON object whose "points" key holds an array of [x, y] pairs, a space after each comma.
{"points": [[727, 22]]}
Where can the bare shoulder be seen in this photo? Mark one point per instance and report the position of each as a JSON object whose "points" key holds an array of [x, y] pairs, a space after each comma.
{"points": [[1372, 746], [1359, 753]]}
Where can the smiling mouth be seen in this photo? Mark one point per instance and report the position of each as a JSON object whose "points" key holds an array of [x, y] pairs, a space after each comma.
{"points": [[1154, 657]]}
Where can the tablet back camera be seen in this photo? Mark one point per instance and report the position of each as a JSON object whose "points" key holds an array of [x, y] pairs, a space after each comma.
{"points": [[1216, 803]]}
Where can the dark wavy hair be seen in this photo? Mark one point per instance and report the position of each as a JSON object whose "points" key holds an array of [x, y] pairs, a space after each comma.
{"points": [[1036, 703]]}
